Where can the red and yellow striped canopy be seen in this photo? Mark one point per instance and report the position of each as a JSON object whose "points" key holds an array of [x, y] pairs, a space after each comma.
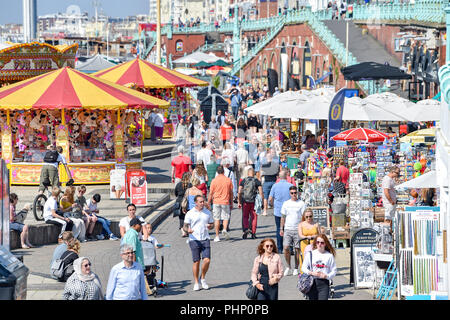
{"points": [[144, 74], [67, 88]]}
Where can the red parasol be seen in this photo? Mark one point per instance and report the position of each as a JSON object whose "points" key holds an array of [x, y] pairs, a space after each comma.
{"points": [[361, 134], [216, 68]]}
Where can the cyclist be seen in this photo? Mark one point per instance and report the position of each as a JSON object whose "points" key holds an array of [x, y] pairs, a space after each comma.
{"points": [[49, 171]]}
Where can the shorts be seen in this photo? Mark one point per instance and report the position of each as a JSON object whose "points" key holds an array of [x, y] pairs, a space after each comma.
{"points": [[291, 239], [198, 247], [159, 132], [16, 226], [267, 186], [389, 211], [221, 212]]}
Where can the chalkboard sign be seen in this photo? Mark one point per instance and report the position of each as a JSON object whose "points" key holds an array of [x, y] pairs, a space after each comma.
{"points": [[321, 216], [363, 266]]}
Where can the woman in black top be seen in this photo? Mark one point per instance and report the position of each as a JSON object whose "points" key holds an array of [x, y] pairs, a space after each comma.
{"points": [[69, 256], [180, 189], [253, 123]]}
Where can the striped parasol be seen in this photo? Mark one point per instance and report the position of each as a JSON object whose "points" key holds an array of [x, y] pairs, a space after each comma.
{"points": [[67, 88], [144, 74], [361, 134]]}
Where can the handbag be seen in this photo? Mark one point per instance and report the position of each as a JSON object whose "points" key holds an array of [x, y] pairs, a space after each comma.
{"points": [[305, 281], [184, 202], [176, 209], [252, 291]]}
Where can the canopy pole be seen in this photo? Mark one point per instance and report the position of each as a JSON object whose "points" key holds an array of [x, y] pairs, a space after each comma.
{"points": [[118, 116], [7, 118], [142, 135], [63, 117]]}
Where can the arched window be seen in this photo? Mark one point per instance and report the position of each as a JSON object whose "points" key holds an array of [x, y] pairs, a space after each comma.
{"points": [[179, 46]]}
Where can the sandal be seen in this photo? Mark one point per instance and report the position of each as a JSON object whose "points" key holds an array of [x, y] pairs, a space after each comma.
{"points": [[25, 247]]}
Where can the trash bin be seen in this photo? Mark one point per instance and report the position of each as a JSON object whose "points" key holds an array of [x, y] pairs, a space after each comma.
{"points": [[13, 277]]}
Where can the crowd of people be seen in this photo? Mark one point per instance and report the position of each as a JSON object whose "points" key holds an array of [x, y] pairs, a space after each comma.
{"points": [[236, 159]]}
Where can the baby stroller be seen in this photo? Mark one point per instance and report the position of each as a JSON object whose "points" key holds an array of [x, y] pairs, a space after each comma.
{"points": [[308, 248], [152, 266]]}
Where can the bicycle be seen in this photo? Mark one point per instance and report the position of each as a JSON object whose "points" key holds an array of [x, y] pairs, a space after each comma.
{"points": [[41, 198]]}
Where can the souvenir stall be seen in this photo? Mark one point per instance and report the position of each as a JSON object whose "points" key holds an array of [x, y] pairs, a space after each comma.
{"points": [[155, 80], [422, 246], [84, 115]]}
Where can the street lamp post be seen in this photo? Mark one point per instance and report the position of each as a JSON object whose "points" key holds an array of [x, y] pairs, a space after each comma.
{"points": [[158, 32]]}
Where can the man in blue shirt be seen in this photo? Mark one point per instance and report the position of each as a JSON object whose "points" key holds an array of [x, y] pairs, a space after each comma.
{"points": [[126, 279], [278, 195]]}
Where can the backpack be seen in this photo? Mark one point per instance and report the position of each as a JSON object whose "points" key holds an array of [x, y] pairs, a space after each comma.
{"points": [[250, 189], [59, 268], [51, 156]]}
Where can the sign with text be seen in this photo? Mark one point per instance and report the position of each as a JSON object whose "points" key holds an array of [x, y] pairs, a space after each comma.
{"points": [[362, 265], [117, 184], [137, 187], [321, 216]]}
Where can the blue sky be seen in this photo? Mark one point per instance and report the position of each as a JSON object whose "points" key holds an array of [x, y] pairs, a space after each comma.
{"points": [[11, 10]]}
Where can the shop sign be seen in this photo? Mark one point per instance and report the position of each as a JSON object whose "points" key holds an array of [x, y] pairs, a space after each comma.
{"points": [[41, 64], [137, 186], [118, 143], [363, 266], [7, 145], [117, 184], [320, 215]]}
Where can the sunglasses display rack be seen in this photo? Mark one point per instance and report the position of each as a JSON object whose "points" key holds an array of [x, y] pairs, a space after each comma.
{"points": [[360, 202], [384, 162]]}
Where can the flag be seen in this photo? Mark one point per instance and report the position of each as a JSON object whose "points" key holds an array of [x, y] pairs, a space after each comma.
{"points": [[335, 116]]}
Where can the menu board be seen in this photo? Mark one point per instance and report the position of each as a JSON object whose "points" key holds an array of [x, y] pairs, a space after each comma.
{"points": [[321, 216]]}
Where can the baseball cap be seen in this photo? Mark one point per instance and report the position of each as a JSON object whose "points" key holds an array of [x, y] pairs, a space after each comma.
{"points": [[135, 221]]}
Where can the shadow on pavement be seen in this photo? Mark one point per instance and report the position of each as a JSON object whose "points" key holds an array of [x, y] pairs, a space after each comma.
{"points": [[231, 285], [174, 288]]}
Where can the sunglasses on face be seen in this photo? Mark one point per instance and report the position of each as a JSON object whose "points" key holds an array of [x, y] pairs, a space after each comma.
{"points": [[87, 265], [269, 246], [320, 242], [293, 192], [308, 217], [128, 253]]}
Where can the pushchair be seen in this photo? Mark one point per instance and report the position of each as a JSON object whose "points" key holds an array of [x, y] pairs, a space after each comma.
{"points": [[308, 248], [152, 266]]}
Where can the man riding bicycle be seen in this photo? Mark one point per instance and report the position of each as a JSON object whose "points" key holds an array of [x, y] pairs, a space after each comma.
{"points": [[49, 172]]}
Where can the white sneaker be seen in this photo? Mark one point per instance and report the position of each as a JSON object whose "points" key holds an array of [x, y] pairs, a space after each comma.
{"points": [[286, 272], [196, 287], [226, 234], [100, 237], [204, 284], [295, 272], [216, 239]]}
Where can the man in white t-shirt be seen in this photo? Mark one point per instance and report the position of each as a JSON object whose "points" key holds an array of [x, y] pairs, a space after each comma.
{"points": [[389, 195], [241, 159], [51, 215], [204, 154], [197, 222], [291, 216], [124, 223]]}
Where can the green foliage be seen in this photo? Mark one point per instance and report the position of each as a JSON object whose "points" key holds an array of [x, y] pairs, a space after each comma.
{"points": [[216, 82]]}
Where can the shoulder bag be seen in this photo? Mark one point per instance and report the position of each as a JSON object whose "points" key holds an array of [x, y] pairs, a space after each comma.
{"points": [[252, 290], [185, 202], [305, 281]]}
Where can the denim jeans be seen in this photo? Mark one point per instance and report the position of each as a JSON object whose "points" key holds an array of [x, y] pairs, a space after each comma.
{"points": [[106, 231], [279, 238]]}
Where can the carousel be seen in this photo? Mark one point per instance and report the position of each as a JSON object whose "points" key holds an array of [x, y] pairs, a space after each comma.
{"points": [[157, 81], [85, 115], [21, 61]]}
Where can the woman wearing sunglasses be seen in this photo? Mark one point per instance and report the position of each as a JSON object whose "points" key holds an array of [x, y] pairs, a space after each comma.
{"points": [[322, 266], [267, 270], [83, 284], [307, 231]]}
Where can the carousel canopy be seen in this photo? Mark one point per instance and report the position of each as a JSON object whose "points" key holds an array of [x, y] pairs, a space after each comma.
{"points": [[93, 64], [67, 88], [144, 74]]}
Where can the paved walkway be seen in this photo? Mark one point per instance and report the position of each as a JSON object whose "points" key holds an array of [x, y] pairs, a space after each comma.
{"points": [[228, 275]]}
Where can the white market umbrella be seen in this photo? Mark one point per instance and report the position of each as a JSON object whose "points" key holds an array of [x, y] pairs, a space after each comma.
{"points": [[315, 104], [426, 110], [426, 180], [196, 57]]}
